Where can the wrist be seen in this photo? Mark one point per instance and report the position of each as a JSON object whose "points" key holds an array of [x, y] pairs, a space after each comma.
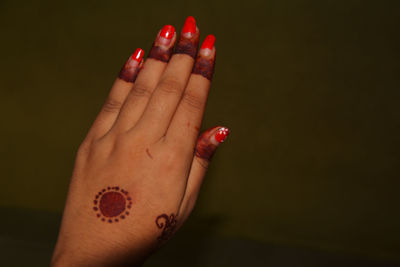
{"points": [[96, 256]]}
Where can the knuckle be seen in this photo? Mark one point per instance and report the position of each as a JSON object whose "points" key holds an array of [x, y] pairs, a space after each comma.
{"points": [[112, 105], [84, 149], [171, 86], [192, 102], [202, 162], [141, 90]]}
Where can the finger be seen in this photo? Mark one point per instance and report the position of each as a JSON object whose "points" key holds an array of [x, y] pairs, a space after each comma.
{"points": [[168, 93], [147, 80], [118, 93], [185, 124], [205, 149]]}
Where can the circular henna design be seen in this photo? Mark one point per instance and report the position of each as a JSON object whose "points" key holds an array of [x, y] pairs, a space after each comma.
{"points": [[112, 204]]}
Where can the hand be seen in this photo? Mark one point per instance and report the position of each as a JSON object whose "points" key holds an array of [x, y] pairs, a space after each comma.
{"points": [[139, 170]]}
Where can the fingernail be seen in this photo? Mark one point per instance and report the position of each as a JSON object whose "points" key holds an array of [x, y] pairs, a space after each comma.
{"points": [[165, 36], [189, 28], [221, 134], [131, 67], [167, 32], [208, 42], [138, 55], [208, 45]]}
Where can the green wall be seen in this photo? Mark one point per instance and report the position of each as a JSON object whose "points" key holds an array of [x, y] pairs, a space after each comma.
{"points": [[310, 90]]}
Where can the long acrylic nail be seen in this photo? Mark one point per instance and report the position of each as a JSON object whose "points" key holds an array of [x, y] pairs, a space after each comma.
{"points": [[166, 34], [189, 28], [131, 68], [138, 55], [162, 47], [189, 39], [208, 45], [205, 61]]}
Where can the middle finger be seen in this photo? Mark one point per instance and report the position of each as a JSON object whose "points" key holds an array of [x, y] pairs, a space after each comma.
{"points": [[165, 99]]}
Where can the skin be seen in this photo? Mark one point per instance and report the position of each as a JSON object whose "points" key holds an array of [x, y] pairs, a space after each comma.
{"points": [[142, 163]]}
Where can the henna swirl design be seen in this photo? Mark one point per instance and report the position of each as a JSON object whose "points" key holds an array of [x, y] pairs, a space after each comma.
{"points": [[167, 224]]}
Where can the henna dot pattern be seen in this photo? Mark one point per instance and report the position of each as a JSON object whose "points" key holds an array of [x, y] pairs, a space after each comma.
{"points": [[112, 204]]}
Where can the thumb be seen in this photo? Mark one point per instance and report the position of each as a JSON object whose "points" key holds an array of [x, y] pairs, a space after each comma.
{"points": [[206, 146]]}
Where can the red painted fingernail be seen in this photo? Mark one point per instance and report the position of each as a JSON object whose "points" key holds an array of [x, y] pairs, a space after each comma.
{"points": [[221, 134], [167, 32], [189, 26], [138, 55], [208, 42]]}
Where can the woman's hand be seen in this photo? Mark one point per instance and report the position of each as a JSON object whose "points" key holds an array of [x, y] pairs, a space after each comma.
{"points": [[139, 170]]}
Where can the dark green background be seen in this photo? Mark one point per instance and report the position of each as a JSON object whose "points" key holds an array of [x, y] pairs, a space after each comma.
{"points": [[310, 90]]}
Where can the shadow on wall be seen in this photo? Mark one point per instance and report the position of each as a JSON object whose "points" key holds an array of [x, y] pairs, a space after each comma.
{"points": [[34, 233]]}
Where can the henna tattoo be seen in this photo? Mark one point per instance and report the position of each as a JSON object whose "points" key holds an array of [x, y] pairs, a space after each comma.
{"points": [[131, 68], [167, 224], [112, 204], [189, 39], [204, 67], [128, 73], [187, 46], [207, 143], [205, 148], [160, 54]]}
